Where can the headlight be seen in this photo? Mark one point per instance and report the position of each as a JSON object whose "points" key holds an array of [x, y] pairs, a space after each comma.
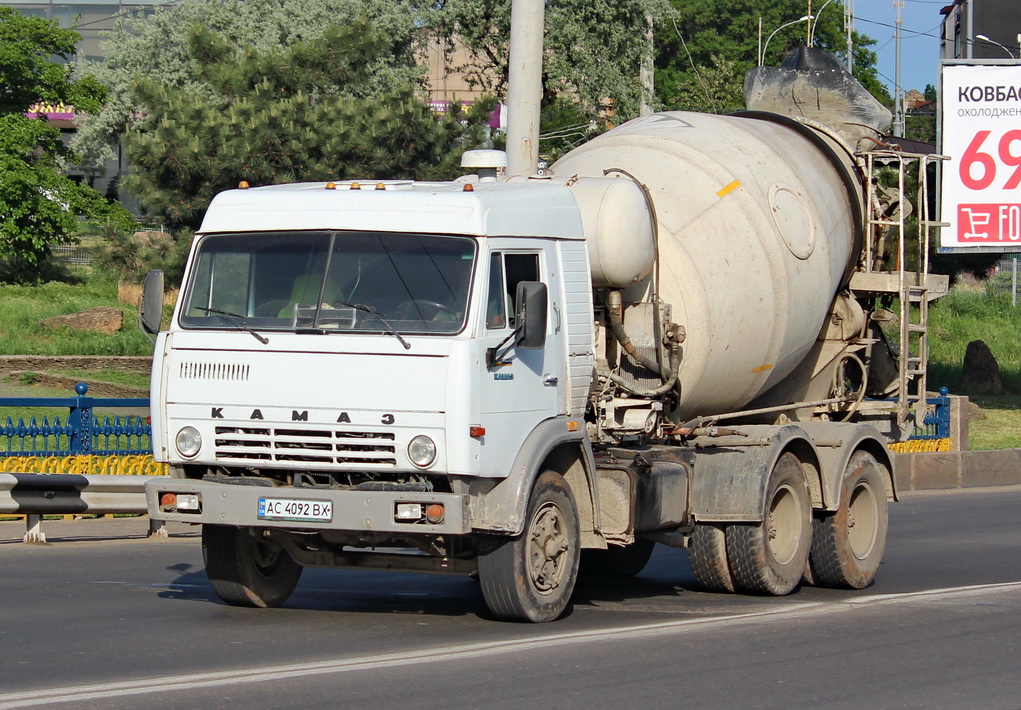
{"points": [[189, 441], [422, 451]]}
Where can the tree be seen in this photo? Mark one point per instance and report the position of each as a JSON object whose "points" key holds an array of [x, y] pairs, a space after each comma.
{"points": [[158, 46], [704, 49], [592, 48], [39, 205], [264, 116]]}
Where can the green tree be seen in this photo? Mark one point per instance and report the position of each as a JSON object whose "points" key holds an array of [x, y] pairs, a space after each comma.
{"points": [[39, 205], [158, 45], [265, 117], [592, 48], [704, 49]]}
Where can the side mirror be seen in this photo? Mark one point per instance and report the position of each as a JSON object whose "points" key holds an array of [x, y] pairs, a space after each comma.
{"points": [[150, 310], [532, 299]]}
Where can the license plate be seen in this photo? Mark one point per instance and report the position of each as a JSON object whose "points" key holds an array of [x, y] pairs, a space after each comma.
{"points": [[301, 511]]}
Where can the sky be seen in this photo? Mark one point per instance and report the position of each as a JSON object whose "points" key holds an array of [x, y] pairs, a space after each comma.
{"points": [[920, 29]]}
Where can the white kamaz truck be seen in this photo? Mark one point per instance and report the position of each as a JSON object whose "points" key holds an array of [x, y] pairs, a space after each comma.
{"points": [[675, 336]]}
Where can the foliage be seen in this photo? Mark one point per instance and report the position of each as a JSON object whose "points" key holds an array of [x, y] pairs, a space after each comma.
{"points": [[592, 48], [270, 124], [705, 48], [159, 46], [132, 254], [565, 125], [38, 204]]}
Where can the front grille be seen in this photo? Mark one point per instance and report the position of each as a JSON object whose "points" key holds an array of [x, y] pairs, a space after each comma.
{"points": [[363, 448]]}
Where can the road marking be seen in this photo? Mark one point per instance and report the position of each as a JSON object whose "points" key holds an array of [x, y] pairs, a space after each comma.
{"points": [[260, 674]]}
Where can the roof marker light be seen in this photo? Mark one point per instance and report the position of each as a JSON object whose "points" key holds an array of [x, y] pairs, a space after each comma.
{"points": [[380, 186], [243, 185], [355, 186], [468, 187], [331, 186]]}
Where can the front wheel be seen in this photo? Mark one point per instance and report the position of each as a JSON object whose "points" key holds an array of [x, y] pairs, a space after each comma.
{"points": [[531, 577], [246, 569], [848, 545]]}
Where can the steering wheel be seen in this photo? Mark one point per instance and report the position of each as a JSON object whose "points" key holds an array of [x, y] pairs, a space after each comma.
{"points": [[419, 309]]}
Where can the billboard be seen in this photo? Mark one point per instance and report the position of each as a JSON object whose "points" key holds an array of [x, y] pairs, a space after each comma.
{"points": [[981, 133]]}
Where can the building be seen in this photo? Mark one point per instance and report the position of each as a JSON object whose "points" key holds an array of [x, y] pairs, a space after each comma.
{"points": [[998, 22]]}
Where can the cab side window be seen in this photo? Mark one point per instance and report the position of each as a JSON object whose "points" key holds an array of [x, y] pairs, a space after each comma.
{"points": [[506, 271]]}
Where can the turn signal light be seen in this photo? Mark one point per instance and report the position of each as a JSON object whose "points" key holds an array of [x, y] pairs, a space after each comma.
{"points": [[477, 432], [434, 513]]}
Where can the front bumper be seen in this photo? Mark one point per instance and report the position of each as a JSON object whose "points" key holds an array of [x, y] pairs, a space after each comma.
{"points": [[352, 511]]}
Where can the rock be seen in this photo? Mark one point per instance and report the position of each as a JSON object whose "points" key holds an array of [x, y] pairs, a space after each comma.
{"points": [[975, 412], [981, 372], [104, 319]]}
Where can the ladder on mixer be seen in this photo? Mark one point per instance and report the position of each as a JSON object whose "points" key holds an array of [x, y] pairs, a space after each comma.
{"points": [[911, 285]]}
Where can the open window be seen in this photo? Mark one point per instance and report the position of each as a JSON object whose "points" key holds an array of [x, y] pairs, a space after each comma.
{"points": [[506, 271]]}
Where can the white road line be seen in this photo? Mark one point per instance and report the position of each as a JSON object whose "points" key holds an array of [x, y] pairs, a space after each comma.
{"points": [[194, 681]]}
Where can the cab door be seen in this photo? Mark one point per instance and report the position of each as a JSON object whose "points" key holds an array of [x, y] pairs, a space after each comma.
{"points": [[526, 386]]}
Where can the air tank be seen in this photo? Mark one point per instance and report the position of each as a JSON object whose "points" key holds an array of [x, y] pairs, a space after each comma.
{"points": [[757, 227]]}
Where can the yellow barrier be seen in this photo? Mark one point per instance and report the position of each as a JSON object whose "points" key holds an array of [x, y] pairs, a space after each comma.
{"points": [[914, 446], [137, 465]]}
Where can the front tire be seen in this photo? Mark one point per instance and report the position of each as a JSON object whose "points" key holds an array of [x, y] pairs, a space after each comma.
{"points": [[770, 557], [531, 577], [848, 545], [245, 569]]}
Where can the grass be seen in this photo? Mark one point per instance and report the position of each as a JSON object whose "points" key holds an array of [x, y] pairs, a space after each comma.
{"points": [[25, 306], [970, 313], [116, 377]]}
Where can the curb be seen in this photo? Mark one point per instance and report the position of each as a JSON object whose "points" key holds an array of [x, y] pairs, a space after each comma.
{"points": [[957, 469]]}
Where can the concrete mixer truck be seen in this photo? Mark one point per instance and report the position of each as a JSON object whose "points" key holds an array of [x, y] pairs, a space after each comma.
{"points": [[677, 335]]}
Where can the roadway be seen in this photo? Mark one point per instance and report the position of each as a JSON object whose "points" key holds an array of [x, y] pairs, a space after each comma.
{"points": [[119, 621]]}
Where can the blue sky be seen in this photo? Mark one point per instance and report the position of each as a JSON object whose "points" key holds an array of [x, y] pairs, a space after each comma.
{"points": [[919, 37]]}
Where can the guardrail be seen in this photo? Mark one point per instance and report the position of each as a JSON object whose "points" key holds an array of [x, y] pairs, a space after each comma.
{"points": [[37, 494], [80, 432]]}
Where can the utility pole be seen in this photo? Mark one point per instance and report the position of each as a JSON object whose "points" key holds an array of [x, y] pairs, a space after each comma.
{"points": [[645, 71], [849, 28], [898, 93], [524, 86]]}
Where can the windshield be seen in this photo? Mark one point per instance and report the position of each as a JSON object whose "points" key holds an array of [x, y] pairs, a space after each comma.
{"points": [[330, 281]]}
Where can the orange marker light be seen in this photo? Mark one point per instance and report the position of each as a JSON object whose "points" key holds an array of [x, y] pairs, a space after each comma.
{"points": [[572, 426], [380, 186], [468, 187], [243, 185], [434, 513], [331, 186], [477, 431], [355, 186]]}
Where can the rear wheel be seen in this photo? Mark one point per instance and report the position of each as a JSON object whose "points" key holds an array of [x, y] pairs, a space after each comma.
{"points": [[246, 569], [617, 561], [530, 577], [848, 545], [707, 555], [770, 557]]}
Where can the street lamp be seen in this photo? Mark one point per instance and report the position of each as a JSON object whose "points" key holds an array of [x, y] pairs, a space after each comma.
{"points": [[804, 18], [811, 37], [983, 38]]}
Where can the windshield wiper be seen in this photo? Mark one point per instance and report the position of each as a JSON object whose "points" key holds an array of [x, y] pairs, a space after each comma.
{"points": [[236, 322], [381, 318]]}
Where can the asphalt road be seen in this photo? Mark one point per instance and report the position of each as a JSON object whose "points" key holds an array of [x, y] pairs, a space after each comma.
{"points": [[115, 622]]}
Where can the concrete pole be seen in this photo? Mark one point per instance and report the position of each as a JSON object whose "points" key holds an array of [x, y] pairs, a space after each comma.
{"points": [[849, 26], [898, 93], [645, 71], [524, 86]]}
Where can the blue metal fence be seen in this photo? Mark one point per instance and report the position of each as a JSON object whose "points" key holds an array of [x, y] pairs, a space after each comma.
{"points": [[937, 420], [80, 433]]}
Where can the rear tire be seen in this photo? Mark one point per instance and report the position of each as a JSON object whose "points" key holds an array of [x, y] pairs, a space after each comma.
{"points": [[531, 577], [707, 555], [618, 562], [245, 569], [770, 557], [848, 545]]}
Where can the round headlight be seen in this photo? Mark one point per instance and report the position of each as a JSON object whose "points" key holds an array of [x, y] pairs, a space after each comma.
{"points": [[189, 441], [422, 451]]}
